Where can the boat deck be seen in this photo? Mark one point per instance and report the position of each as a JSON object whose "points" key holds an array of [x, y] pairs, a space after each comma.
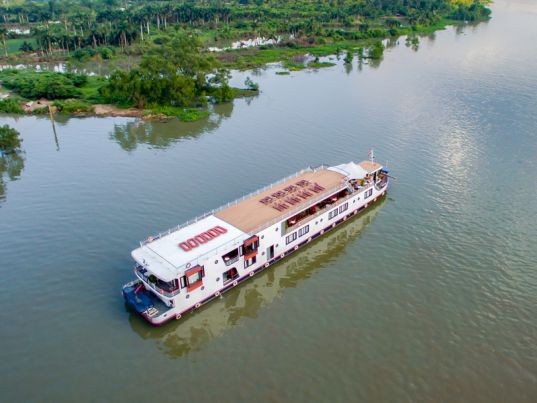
{"points": [[282, 199]]}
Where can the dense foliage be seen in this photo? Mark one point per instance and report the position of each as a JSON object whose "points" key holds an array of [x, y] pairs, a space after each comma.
{"points": [[177, 73], [74, 24], [10, 106], [50, 85], [9, 139]]}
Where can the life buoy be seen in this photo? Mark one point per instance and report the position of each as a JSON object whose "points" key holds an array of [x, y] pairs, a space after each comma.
{"points": [[188, 265], [235, 283], [217, 293], [322, 231], [162, 292], [282, 255], [150, 239], [296, 247], [178, 316], [197, 305], [251, 274], [309, 239], [267, 264]]}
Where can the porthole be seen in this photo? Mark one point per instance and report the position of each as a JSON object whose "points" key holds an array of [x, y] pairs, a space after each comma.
{"points": [[262, 236], [277, 245], [187, 296], [203, 287], [216, 262], [276, 229], [262, 253], [217, 279]]}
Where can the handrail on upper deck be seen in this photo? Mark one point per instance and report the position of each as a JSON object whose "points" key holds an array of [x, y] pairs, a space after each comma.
{"points": [[232, 203]]}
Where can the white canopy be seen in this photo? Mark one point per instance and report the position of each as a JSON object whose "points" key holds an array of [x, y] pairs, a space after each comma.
{"points": [[350, 170]]}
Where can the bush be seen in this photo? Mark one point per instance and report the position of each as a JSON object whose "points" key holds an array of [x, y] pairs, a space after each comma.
{"points": [[33, 85], [9, 139], [107, 53], [10, 106], [83, 55], [251, 85], [26, 47], [73, 106], [77, 79]]}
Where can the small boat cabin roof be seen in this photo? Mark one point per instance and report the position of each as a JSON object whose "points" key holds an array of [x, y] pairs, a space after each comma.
{"points": [[280, 199]]}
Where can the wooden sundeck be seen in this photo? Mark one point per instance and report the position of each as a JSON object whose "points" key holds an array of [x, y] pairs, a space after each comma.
{"points": [[370, 166], [282, 199]]}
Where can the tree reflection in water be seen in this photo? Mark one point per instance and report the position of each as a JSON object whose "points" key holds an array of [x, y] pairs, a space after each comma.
{"points": [[11, 166], [162, 134], [196, 330]]}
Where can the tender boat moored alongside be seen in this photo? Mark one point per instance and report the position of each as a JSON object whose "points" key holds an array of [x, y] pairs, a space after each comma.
{"points": [[187, 266]]}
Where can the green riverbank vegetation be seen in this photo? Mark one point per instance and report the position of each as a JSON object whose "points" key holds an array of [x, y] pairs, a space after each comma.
{"points": [[177, 72]]}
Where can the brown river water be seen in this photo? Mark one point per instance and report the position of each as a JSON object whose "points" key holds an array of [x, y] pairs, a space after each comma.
{"points": [[431, 296]]}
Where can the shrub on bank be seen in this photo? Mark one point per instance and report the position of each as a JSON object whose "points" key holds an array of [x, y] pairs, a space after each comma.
{"points": [[34, 85], [10, 106], [73, 106]]}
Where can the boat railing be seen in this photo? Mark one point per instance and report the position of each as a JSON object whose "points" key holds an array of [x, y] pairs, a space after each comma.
{"points": [[201, 217], [237, 241], [141, 274]]}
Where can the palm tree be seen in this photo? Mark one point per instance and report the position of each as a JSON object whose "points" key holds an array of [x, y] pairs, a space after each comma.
{"points": [[3, 35]]}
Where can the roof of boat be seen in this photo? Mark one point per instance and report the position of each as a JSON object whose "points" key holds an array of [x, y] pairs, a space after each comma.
{"points": [[281, 199], [163, 256], [370, 166]]}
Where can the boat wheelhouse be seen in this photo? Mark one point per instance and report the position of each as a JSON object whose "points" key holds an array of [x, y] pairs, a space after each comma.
{"points": [[187, 266]]}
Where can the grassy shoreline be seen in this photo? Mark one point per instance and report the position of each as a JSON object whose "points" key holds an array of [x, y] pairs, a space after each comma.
{"points": [[90, 102]]}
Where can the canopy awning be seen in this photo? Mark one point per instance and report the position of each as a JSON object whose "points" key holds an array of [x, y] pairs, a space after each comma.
{"points": [[350, 170]]}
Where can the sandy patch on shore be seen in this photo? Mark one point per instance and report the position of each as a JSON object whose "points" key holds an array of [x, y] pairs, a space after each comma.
{"points": [[111, 110]]}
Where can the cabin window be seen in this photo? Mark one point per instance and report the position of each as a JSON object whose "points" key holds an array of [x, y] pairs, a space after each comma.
{"points": [[270, 252], [194, 277], [251, 245], [183, 281], [230, 275], [304, 230], [290, 238], [343, 207], [368, 193], [332, 214], [249, 262], [231, 257]]}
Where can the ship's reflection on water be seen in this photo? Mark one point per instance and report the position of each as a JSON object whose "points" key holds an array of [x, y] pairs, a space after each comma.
{"points": [[196, 330]]}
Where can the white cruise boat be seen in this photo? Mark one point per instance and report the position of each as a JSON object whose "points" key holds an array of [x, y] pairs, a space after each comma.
{"points": [[187, 266]]}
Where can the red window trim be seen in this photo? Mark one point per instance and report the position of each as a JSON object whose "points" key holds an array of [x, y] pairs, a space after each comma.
{"points": [[250, 255], [251, 240], [188, 273]]}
